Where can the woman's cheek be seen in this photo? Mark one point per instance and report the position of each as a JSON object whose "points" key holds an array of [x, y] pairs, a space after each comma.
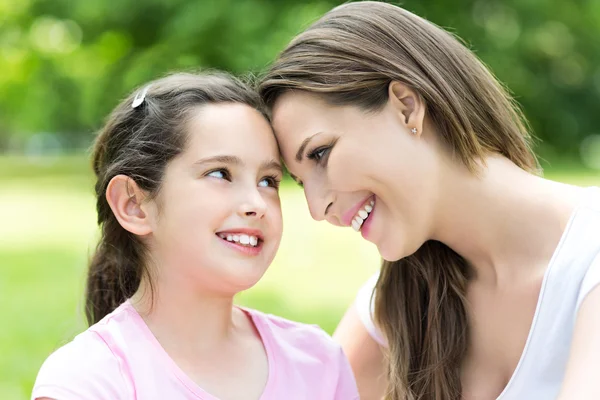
{"points": [[349, 167], [341, 169]]}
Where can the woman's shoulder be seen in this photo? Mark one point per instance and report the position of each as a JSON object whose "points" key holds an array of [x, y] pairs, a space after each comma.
{"points": [[592, 198], [83, 368]]}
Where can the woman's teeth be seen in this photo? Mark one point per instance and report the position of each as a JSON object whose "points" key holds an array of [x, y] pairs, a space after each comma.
{"points": [[245, 240], [361, 215]]}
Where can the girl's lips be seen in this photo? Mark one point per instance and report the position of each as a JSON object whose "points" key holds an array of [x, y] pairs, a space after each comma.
{"points": [[244, 249]]}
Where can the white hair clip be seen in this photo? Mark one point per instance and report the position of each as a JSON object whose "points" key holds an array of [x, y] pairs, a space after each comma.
{"points": [[140, 97]]}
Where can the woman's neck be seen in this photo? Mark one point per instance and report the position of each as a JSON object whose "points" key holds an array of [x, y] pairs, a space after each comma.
{"points": [[505, 222]]}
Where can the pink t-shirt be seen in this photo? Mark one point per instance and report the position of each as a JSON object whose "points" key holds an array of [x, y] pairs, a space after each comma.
{"points": [[119, 358]]}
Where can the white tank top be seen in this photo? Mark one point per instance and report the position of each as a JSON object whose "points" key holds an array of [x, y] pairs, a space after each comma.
{"points": [[573, 272]]}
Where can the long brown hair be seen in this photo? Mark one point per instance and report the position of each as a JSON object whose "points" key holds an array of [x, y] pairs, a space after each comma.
{"points": [[349, 57], [139, 143]]}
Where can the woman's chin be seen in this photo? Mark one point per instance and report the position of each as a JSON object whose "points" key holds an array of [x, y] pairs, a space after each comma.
{"points": [[391, 251]]}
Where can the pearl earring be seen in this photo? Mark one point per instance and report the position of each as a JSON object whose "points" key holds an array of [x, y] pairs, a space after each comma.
{"points": [[414, 130]]}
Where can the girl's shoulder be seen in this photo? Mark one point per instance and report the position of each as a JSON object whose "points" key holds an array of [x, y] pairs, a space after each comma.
{"points": [[85, 368], [301, 337], [309, 354]]}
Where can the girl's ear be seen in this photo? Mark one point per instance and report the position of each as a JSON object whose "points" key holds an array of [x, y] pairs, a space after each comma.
{"points": [[125, 199]]}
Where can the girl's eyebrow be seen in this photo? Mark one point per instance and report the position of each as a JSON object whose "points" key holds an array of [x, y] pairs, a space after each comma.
{"points": [[272, 164], [220, 159]]}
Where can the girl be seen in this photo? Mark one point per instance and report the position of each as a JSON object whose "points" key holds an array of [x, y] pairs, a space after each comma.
{"points": [[187, 199], [489, 288]]}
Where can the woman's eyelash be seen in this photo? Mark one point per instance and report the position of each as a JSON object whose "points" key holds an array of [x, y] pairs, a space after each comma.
{"points": [[321, 153]]}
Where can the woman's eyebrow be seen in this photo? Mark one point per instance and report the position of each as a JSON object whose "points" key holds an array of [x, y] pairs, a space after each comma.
{"points": [[300, 153]]}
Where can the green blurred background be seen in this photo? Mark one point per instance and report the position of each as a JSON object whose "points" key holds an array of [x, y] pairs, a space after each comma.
{"points": [[65, 63]]}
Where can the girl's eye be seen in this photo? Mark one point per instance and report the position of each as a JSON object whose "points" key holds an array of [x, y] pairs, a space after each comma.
{"points": [[220, 174], [320, 154], [270, 181]]}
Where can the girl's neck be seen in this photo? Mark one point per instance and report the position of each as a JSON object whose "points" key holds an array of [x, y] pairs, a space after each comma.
{"points": [[506, 222], [188, 321]]}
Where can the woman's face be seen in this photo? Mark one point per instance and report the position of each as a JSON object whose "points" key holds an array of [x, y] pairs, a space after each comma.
{"points": [[365, 170]]}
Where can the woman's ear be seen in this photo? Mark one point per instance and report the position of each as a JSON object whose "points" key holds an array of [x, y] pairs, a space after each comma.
{"points": [[409, 104], [125, 200]]}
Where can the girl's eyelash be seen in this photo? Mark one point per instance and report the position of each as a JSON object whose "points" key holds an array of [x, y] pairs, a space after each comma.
{"points": [[225, 171], [275, 180]]}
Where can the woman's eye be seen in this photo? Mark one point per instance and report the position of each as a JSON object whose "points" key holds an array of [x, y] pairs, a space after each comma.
{"points": [[320, 154], [219, 174], [269, 181]]}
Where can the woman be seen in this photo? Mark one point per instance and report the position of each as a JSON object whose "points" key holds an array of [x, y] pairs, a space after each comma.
{"points": [[488, 287]]}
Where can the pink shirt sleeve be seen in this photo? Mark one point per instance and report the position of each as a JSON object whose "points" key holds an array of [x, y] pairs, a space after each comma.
{"points": [[346, 386], [84, 369]]}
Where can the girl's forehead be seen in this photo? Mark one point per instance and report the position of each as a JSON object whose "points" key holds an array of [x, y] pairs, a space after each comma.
{"points": [[233, 129]]}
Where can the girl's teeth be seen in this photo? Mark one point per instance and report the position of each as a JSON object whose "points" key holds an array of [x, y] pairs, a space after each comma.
{"points": [[242, 239], [363, 214], [368, 208], [355, 225]]}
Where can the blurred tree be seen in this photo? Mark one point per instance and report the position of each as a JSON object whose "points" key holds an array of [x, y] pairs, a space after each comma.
{"points": [[65, 63]]}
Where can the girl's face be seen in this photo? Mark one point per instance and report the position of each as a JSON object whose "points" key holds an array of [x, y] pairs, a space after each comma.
{"points": [[217, 216], [363, 170]]}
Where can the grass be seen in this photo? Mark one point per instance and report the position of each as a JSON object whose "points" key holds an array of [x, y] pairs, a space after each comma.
{"points": [[48, 231]]}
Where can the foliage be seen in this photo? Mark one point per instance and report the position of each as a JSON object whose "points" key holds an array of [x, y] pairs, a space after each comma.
{"points": [[65, 63]]}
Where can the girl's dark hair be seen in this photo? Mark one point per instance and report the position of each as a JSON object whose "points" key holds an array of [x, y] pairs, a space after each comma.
{"points": [[139, 143], [349, 57]]}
